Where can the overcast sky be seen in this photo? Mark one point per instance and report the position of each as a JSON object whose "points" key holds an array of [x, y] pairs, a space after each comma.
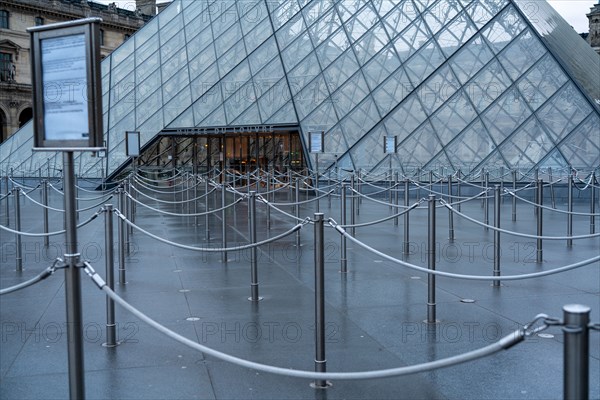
{"points": [[573, 11]]}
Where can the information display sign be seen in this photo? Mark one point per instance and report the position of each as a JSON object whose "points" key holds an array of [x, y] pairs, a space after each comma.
{"points": [[315, 140], [389, 144], [67, 95], [132, 144]]}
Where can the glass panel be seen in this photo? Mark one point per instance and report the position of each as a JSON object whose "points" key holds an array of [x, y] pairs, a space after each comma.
{"points": [[176, 106], [122, 108], [440, 14], [381, 66], [148, 67], [456, 34], [200, 42], [231, 58], [481, 11], [366, 152], [346, 9], [185, 120], [223, 15], [300, 76], [582, 147], [263, 55], [360, 24], [273, 98], [175, 84], [206, 58], [122, 70], [323, 118], [453, 117], [406, 118], [290, 31], [258, 36], [217, 118], [239, 102], [324, 27], [172, 46], [123, 52], [171, 28], [370, 44], [284, 13], [149, 107], [285, 115], [149, 86], [470, 59], [411, 39], [146, 32], [392, 91], [438, 89], [248, 117], [564, 112], [506, 115], [151, 127], [204, 106], [146, 50], [420, 147], [268, 77], [541, 82], [350, 94], [315, 9], [332, 48], [521, 54], [228, 39], [204, 82], [424, 62], [296, 51], [338, 72], [528, 146], [251, 13], [360, 121], [487, 85], [176, 63], [400, 17], [311, 96], [472, 147], [506, 26]]}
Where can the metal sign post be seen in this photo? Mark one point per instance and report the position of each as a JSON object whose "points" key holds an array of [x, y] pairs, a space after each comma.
{"points": [[67, 98], [316, 145]]}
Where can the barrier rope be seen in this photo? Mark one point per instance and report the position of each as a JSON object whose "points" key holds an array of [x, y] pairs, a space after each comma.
{"points": [[208, 249], [304, 201], [168, 191], [36, 279], [62, 211], [512, 233], [550, 208], [82, 224], [168, 201], [260, 198], [503, 344], [460, 276], [384, 219], [179, 214], [375, 200]]}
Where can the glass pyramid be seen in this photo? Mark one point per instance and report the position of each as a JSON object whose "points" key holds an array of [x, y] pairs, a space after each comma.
{"points": [[462, 84]]}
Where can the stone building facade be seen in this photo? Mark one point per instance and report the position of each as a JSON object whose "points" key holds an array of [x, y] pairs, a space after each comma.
{"points": [[15, 71], [593, 37]]}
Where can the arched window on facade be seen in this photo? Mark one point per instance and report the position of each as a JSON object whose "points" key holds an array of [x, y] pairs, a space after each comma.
{"points": [[25, 116]]}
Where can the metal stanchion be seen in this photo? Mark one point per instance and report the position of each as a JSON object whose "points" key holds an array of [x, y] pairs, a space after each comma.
{"points": [[297, 208], [223, 221], [268, 210], [7, 204], [570, 209], [405, 247], [450, 212], [431, 307], [76, 197], [45, 202], [552, 197], [358, 189], [352, 207], [127, 207], [483, 185], [458, 191], [593, 205], [502, 183], [536, 175], [576, 352], [497, 206], [121, 233], [206, 210], [514, 199], [343, 259], [111, 335], [320, 360], [539, 213], [16, 191], [253, 251], [486, 200], [73, 285], [396, 198]]}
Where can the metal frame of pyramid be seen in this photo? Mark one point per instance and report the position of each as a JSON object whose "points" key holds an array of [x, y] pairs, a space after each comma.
{"points": [[463, 84]]}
